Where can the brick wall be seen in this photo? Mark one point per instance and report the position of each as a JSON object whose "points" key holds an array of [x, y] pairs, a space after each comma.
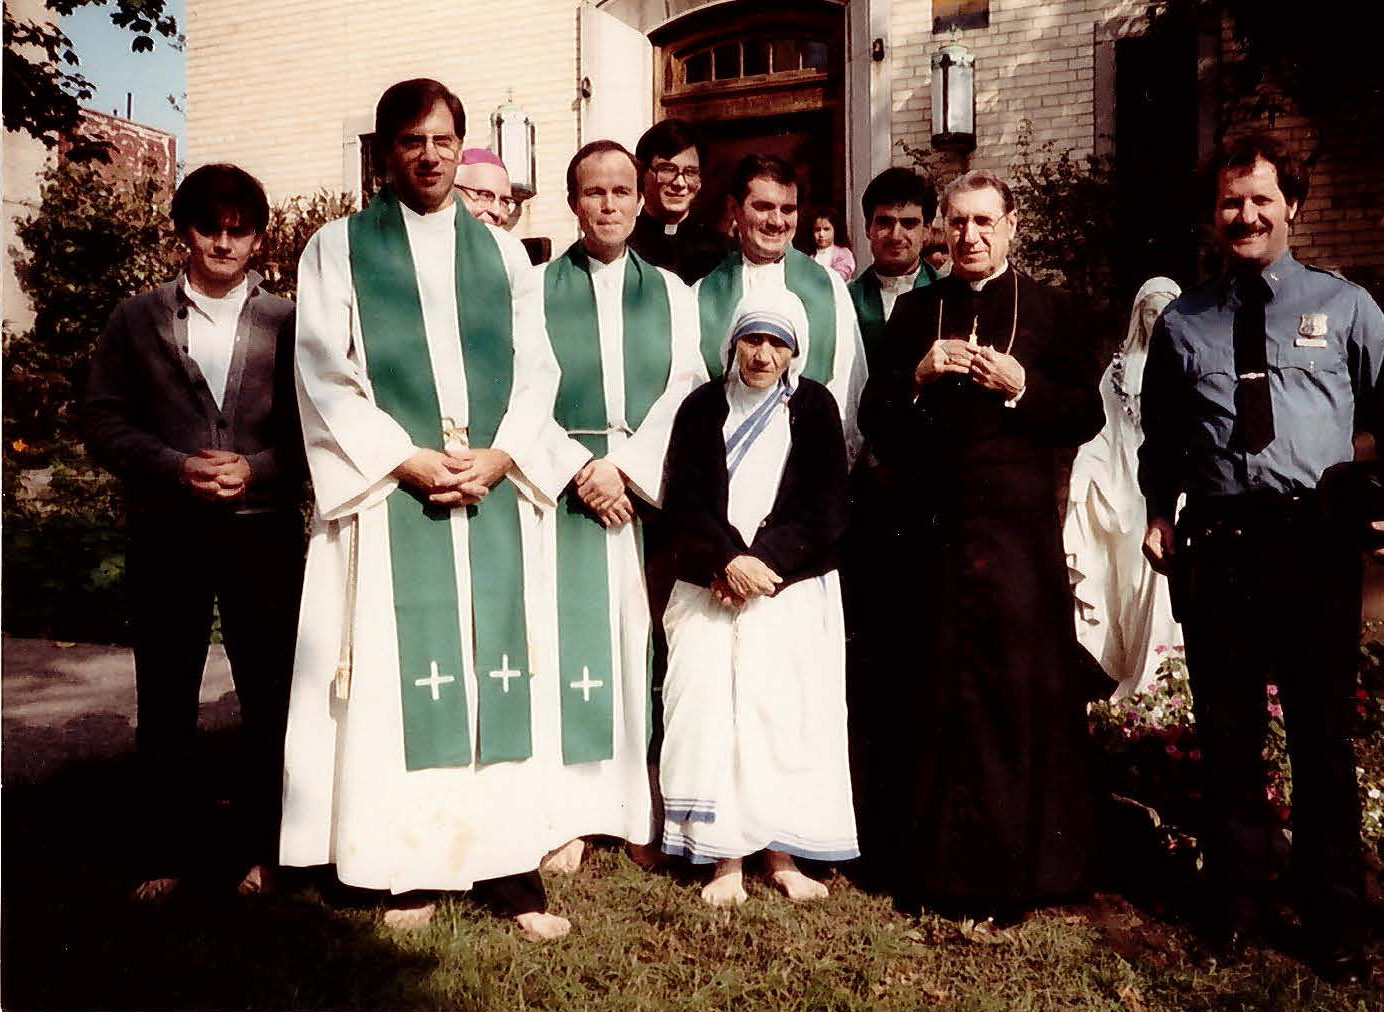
{"points": [[280, 89], [1034, 64], [138, 149]]}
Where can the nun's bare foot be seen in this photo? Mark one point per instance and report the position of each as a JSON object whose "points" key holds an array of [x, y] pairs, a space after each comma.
{"points": [[566, 859], [541, 926], [154, 891], [785, 873], [727, 885], [409, 918], [646, 855], [258, 881]]}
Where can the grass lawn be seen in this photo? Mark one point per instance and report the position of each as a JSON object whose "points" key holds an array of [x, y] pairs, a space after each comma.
{"points": [[641, 941]]}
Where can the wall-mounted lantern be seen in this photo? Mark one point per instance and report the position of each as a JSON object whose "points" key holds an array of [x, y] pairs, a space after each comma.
{"points": [[954, 97], [512, 138]]}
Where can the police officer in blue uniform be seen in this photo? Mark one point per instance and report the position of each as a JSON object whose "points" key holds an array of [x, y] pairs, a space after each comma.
{"points": [[1256, 384]]}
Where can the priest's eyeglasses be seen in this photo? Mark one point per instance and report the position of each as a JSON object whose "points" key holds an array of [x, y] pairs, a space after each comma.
{"points": [[488, 198], [666, 172], [985, 225], [414, 145]]}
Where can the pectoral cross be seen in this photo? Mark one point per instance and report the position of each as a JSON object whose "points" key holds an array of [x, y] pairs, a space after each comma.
{"points": [[973, 340], [505, 673], [586, 684], [434, 680]]}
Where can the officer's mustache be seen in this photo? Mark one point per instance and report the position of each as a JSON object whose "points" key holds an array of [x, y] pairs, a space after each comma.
{"points": [[1243, 230]]}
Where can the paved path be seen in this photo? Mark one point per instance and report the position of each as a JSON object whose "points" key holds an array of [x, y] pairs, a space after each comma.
{"points": [[75, 702]]}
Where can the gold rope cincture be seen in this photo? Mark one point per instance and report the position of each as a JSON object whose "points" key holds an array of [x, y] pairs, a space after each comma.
{"points": [[342, 683], [973, 341]]}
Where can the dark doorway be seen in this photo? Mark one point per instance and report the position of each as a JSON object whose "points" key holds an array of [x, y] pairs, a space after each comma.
{"points": [[764, 78], [1159, 210]]}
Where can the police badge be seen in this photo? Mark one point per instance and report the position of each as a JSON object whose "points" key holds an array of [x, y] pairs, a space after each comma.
{"points": [[1311, 330]]}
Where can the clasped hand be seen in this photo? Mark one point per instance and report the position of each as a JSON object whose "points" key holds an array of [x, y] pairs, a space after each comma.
{"points": [[601, 485], [216, 475], [454, 477], [988, 368], [746, 577]]}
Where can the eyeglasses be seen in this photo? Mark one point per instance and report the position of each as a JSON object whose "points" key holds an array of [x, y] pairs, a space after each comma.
{"points": [[413, 145], [666, 172], [985, 225], [488, 198]]}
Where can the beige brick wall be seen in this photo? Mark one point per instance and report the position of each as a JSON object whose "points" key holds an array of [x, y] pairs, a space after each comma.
{"points": [[278, 88], [1034, 64]]}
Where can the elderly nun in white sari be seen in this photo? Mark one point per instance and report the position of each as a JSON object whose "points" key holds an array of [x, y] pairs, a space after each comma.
{"points": [[1123, 614], [754, 753]]}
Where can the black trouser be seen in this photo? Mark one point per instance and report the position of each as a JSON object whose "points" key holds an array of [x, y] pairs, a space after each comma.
{"points": [[1268, 591], [176, 566], [512, 895]]}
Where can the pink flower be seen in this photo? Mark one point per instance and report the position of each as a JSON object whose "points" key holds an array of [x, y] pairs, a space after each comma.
{"points": [[1176, 702], [1171, 750], [1180, 648], [1160, 649], [1268, 793], [1275, 710], [1272, 689]]}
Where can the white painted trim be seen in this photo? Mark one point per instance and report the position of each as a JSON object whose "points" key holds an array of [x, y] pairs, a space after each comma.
{"points": [[869, 108]]}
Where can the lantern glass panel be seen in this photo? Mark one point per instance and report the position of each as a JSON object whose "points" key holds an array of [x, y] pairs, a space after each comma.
{"points": [[961, 100]]}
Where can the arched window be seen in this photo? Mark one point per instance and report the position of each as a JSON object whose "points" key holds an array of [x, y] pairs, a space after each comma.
{"points": [[747, 60]]}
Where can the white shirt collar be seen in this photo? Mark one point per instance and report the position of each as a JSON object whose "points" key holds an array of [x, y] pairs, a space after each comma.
{"points": [[898, 282], [433, 219], [213, 308], [982, 282], [599, 268]]}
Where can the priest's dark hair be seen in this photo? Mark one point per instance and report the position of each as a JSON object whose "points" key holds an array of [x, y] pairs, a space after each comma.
{"points": [[753, 167], [408, 101], [899, 185], [979, 179], [219, 196], [1244, 151], [667, 139], [585, 152]]}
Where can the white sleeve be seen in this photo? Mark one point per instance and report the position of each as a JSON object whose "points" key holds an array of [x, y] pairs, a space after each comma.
{"points": [[641, 456], [848, 372], [545, 457], [352, 445]]}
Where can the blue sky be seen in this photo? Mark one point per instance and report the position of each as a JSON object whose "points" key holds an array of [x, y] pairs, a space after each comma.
{"points": [[106, 61]]}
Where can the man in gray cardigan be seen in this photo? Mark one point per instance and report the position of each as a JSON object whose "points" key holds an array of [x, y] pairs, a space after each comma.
{"points": [[190, 402]]}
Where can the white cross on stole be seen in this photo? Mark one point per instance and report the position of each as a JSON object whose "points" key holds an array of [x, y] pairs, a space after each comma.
{"points": [[505, 673], [434, 680], [586, 684]]}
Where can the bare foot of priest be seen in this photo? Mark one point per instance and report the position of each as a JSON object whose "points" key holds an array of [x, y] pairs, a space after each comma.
{"points": [[258, 881], [154, 890], [646, 855], [727, 885], [566, 859], [541, 926], [409, 918], [784, 873]]}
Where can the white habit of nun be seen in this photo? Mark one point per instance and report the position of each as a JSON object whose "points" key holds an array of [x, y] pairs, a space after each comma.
{"points": [[754, 754]]}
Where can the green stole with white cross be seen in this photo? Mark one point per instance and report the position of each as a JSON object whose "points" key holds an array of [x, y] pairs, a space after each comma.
{"points": [[585, 638], [719, 293], [427, 611]]}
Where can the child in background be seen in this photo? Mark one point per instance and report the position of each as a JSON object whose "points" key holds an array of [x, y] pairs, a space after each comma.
{"points": [[826, 227]]}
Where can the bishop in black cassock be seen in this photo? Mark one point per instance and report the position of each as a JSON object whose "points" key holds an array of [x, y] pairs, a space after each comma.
{"points": [[986, 786]]}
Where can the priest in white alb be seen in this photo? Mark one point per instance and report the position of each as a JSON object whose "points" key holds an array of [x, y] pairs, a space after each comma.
{"points": [[413, 758], [764, 199], [624, 334]]}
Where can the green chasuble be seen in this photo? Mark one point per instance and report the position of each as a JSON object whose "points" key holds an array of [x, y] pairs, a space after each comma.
{"points": [[426, 607], [720, 291], [869, 307], [585, 662]]}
